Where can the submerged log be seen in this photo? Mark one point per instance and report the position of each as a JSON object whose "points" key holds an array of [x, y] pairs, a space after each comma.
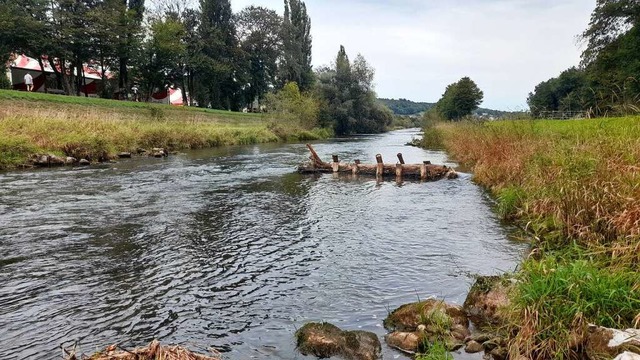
{"points": [[424, 171]]}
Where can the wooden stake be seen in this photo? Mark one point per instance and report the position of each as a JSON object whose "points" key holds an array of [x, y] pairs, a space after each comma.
{"points": [[400, 158], [399, 171], [380, 166], [336, 163]]}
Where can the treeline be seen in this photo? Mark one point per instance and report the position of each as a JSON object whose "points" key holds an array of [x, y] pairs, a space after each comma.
{"points": [[406, 107], [606, 81], [223, 60]]}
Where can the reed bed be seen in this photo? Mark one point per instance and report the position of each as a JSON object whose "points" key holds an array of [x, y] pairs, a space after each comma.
{"points": [[574, 186]]}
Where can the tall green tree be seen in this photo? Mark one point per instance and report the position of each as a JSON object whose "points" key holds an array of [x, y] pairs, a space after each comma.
{"points": [[129, 31], [460, 99], [348, 101], [259, 31], [223, 60], [609, 20], [297, 44]]}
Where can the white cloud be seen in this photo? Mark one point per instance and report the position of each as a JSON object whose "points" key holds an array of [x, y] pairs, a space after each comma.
{"points": [[419, 47]]}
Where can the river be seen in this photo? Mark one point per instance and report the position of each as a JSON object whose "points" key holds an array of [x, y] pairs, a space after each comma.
{"points": [[231, 249]]}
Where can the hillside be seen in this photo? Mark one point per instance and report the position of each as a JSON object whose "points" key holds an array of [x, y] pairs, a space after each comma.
{"points": [[408, 107]]}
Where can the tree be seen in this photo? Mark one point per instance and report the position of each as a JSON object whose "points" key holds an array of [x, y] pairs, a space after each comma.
{"points": [[567, 92], [222, 62], [610, 20], [460, 99], [348, 100], [259, 31], [296, 38]]}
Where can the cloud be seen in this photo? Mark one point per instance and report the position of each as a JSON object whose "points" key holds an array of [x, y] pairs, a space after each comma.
{"points": [[419, 47]]}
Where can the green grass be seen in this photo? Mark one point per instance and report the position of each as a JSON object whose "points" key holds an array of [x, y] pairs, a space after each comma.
{"points": [[574, 186], [41, 98], [435, 351], [97, 129]]}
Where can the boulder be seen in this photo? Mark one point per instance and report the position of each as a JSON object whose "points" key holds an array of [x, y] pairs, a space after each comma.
{"points": [[606, 342], [124, 155], [432, 313], [84, 162], [473, 347], [70, 160], [325, 340], [452, 175], [486, 300], [418, 324], [158, 152]]}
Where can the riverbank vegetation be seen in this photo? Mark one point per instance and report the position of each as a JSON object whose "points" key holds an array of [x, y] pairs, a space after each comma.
{"points": [[574, 187], [98, 129]]}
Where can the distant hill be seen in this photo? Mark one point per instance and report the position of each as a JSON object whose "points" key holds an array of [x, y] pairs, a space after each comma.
{"points": [[408, 107]]}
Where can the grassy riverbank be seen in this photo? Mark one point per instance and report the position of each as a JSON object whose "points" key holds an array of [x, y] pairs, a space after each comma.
{"points": [[575, 187], [96, 128]]}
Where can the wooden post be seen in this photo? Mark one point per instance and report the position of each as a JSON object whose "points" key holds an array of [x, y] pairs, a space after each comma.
{"points": [[423, 171], [314, 156], [399, 171], [355, 169], [336, 163], [380, 166], [400, 158]]}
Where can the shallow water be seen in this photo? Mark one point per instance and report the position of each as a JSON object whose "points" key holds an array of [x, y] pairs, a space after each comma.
{"points": [[231, 249]]}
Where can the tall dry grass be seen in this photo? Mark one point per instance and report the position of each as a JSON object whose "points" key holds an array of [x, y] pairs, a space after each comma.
{"points": [[575, 186]]}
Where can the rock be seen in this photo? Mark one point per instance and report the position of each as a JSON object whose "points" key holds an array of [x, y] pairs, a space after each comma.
{"points": [[48, 160], [486, 299], [70, 160], [473, 347], [481, 337], [405, 341], [611, 342], [141, 151], [124, 155], [84, 162], [499, 353], [158, 152], [325, 340], [627, 356], [452, 175], [431, 313]]}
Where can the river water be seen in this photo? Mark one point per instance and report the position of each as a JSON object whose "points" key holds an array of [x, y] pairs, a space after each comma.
{"points": [[231, 249]]}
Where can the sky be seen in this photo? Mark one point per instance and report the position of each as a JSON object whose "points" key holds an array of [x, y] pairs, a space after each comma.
{"points": [[418, 47]]}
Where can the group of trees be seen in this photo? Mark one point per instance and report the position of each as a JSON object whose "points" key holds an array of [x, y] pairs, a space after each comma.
{"points": [[607, 80], [223, 60]]}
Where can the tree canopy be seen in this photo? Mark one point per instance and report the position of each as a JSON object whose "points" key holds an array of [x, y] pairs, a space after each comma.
{"points": [[460, 99]]}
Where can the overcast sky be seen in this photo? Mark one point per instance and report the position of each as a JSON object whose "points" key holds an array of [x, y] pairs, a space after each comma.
{"points": [[418, 47]]}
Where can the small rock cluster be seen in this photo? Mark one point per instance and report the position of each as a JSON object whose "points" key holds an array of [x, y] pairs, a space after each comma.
{"points": [[51, 160]]}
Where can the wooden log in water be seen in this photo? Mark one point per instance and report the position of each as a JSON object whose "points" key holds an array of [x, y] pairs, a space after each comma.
{"points": [[424, 171]]}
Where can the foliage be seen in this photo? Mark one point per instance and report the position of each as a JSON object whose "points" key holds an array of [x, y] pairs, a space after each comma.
{"points": [[564, 93], [259, 31], [606, 83], [460, 99], [406, 107], [296, 42], [292, 107], [348, 101], [435, 351]]}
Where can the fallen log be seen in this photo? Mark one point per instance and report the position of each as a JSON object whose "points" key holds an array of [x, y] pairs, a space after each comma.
{"points": [[424, 171]]}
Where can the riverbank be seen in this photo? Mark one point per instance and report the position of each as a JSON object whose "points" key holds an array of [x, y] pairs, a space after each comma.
{"points": [[573, 186], [34, 123]]}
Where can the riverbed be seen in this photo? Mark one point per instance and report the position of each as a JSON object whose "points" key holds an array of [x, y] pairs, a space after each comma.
{"points": [[231, 249]]}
